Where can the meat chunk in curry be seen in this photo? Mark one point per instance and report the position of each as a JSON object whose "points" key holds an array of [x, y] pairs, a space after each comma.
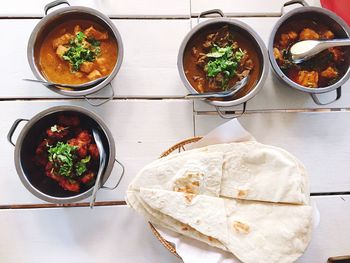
{"points": [[322, 70], [78, 51]]}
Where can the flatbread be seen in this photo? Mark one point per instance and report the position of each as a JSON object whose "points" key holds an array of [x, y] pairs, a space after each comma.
{"points": [[247, 198], [261, 232], [245, 170], [159, 219], [205, 214], [253, 231], [254, 171], [197, 173]]}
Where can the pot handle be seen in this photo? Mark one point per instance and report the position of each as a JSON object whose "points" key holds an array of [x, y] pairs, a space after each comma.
{"points": [[318, 102], [12, 130], [292, 2], [209, 12], [103, 102], [120, 177], [53, 4], [223, 115]]}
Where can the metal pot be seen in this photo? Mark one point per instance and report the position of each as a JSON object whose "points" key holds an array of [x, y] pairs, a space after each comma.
{"points": [[335, 23], [36, 182], [61, 15], [250, 34]]}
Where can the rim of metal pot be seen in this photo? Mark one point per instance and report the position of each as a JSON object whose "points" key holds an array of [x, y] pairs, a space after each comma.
{"points": [[55, 15], [29, 125], [260, 44], [277, 69]]}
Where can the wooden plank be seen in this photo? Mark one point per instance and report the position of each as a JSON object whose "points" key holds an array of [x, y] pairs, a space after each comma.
{"points": [[113, 8], [148, 70], [142, 130], [331, 237], [105, 234], [320, 140], [244, 8]]}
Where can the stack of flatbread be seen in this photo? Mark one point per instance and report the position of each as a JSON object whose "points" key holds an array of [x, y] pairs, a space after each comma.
{"points": [[246, 198]]}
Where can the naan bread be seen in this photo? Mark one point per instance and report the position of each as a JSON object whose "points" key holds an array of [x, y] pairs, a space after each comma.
{"points": [[261, 232], [254, 171], [197, 173], [247, 198], [205, 214], [159, 219], [255, 232], [245, 170]]}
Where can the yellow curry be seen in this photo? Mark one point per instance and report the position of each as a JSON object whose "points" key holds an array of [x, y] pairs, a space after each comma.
{"points": [[76, 52]]}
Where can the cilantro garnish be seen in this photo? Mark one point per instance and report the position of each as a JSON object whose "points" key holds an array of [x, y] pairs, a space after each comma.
{"points": [[223, 60], [62, 156], [80, 167], [81, 49], [64, 159]]}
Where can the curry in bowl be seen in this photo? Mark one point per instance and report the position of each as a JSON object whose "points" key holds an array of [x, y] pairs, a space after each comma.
{"points": [[216, 58], [324, 69], [68, 154], [77, 51], [58, 155]]}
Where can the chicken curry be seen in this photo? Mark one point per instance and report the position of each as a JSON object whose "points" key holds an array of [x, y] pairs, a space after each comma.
{"points": [[216, 59], [322, 70], [68, 154], [76, 52]]}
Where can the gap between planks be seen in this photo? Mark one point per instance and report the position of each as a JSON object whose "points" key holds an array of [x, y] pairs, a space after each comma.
{"points": [[275, 111], [117, 203], [156, 17], [150, 17], [85, 204], [213, 112]]}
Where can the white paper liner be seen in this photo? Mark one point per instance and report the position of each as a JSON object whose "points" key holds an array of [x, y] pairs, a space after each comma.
{"points": [[191, 250]]}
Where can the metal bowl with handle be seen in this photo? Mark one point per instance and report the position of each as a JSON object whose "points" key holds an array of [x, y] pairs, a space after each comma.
{"points": [[35, 180], [335, 24], [235, 26], [59, 16]]}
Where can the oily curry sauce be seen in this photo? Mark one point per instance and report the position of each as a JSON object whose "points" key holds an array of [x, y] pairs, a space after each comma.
{"points": [[58, 70], [192, 70], [323, 70]]}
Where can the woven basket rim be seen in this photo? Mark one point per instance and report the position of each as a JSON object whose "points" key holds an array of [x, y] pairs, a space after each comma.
{"points": [[178, 146]]}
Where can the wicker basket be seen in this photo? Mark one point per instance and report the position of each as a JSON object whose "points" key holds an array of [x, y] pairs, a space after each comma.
{"points": [[177, 147]]}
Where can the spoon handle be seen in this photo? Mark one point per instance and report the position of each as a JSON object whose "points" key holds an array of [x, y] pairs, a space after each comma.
{"points": [[39, 81], [205, 95], [335, 43]]}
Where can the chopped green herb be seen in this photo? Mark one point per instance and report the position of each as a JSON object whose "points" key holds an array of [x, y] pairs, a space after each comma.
{"points": [[62, 156], [81, 50], [223, 60], [93, 42], [80, 36], [80, 167]]}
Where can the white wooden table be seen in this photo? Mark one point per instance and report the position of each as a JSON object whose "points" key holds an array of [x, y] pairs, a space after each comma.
{"points": [[149, 114]]}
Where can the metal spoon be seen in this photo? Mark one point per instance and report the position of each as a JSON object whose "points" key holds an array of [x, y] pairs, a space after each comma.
{"points": [[78, 86], [222, 94], [306, 49], [102, 155]]}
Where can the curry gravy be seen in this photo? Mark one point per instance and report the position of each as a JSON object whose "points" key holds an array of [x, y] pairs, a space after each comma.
{"points": [[191, 69], [57, 70]]}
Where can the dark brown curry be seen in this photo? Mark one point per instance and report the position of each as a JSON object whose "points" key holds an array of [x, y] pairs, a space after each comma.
{"points": [[76, 52], [324, 69], [216, 59]]}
